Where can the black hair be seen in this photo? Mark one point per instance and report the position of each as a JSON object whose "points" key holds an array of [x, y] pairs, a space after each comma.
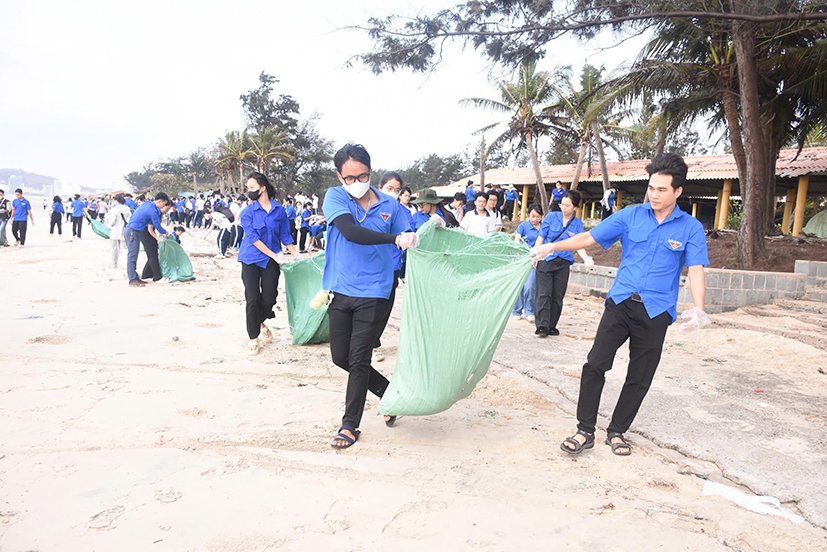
{"points": [[141, 197], [264, 183], [56, 199], [18, 191], [179, 229], [200, 196], [390, 175], [447, 216], [459, 196], [77, 196], [574, 196], [120, 199], [309, 204], [127, 195], [404, 189], [242, 197], [357, 152], [2, 191], [536, 207], [671, 164], [492, 193], [479, 195], [470, 183]]}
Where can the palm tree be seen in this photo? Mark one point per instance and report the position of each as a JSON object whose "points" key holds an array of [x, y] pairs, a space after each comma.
{"points": [[267, 145], [523, 101], [233, 152]]}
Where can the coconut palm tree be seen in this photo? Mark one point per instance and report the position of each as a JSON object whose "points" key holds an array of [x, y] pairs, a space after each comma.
{"points": [[233, 153], [267, 145], [523, 101]]}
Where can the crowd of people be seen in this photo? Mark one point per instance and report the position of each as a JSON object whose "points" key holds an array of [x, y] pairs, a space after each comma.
{"points": [[368, 231]]}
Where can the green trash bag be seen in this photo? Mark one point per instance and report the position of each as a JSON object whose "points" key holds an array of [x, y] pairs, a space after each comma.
{"points": [[459, 292], [99, 228], [175, 264], [302, 281]]}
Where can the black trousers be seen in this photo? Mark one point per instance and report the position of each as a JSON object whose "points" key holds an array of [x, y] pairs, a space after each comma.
{"points": [[57, 220], [354, 322], [552, 281], [509, 209], [628, 320], [303, 238], [387, 314], [77, 225], [294, 232], [260, 292], [152, 268], [18, 230]]}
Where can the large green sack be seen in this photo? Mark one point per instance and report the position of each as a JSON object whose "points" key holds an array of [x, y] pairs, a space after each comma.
{"points": [[818, 225], [99, 228], [175, 264], [302, 281], [459, 292]]}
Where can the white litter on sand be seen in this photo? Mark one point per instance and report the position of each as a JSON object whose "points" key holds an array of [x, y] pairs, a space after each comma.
{"points": [[767, 505]]}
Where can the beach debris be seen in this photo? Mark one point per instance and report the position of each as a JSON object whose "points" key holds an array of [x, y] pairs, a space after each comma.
{"points": [[766, 505], [34, 317], [759, 390], [571, 374], [175, 338]]}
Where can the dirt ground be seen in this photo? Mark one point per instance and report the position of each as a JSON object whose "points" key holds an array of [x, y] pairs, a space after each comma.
{"points": [[131, 420]]}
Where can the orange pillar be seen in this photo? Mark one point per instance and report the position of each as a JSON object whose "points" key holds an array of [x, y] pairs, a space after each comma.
{"points": [[800, 204]]}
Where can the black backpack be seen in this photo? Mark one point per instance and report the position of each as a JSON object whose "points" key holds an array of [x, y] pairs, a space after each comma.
{"points": [[226, 212]]}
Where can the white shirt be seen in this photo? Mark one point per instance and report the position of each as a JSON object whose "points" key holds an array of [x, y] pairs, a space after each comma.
{"points": [[478, 225], [315, 201], [220, 221], [199, 204], [116, 222], [498, 219]]}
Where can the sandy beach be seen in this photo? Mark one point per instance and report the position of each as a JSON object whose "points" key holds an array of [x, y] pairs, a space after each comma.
{"points": [[132, 420]]}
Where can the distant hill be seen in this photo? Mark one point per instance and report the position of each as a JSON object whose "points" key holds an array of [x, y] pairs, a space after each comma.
{"points": [[30, 180]]}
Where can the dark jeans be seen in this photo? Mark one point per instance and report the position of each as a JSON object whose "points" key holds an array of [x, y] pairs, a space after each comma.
{"points": [[239, 235], [293, 231], [18, 230], [303, 238], [509, 209], [199, 219], [57, 220], [260, 292], [77, 225], [552, 281], [222, 240], [628, 320], [354, 322], [152, 268], [387, 314]]}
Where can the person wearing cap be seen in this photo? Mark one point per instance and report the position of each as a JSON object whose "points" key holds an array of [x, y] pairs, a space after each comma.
{"points": [[557, 195], [430, 205], [145, 228], [21, 209], [358, 272], [512, 201], [658, 239], [479, 221]]}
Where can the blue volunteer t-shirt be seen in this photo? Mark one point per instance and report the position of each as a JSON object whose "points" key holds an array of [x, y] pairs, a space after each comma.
{"points": [[419, 218], [57, 207], [557, 195], [470, 194], [528, 234], [77, 208], [361, 270], [552, 226], [271, 227], [148, 213], [291, 212], [653, 254], [305, 221], [21, 208], [511, 195]]}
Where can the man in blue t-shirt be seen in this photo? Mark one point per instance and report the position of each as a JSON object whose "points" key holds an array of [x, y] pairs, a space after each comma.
{"points": [[21, 210], [511, 201], [362, 222], [658, 239], [145, 228], [77, 216], [290, 209]]}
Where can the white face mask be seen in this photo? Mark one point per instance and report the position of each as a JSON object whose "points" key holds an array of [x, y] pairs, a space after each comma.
{"points": [[357, 189], [393, 193]]}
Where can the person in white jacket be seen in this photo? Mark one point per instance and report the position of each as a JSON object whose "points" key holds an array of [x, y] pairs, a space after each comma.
{"points": [[117, 218]]}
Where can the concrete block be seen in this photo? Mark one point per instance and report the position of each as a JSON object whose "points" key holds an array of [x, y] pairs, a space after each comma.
{"points": [[804, 267], [801, 284], [740, 298], [748, 282], [713, 296], [764, 297], [772, 282], [821, 270], [713, 279], [723, 280], [713, 309], [736, 281], [760, 281], [790, 284], [751, 297]]}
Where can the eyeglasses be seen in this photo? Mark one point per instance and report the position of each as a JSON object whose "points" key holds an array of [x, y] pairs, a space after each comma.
{"points": [[364, 177]]}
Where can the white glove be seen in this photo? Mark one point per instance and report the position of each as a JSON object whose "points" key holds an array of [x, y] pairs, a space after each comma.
{"points": [[589, 262], [280, 258], [695, 320], [297, 256], [406, 240], [540, 252], [439, 222]]}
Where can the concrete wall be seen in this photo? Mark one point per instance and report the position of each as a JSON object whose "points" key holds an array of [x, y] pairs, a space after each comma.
{"points": [[816, 273], [726, 290]]}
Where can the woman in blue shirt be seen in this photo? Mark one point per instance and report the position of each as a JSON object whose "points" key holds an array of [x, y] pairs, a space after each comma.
{"points": [[21, 209], [266, 229], [553, 271], [57, 217], [305, 230], [527, 233]]}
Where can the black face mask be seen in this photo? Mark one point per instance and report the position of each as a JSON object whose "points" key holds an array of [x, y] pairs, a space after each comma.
{"points": [[254, 194]]}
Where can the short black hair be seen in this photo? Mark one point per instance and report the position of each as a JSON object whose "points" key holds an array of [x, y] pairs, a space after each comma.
{"points": [[18, 191], [404, 189], [179, 229], [128, 195], [391, 175], [492, 193], [671, 164], [470, 183], [536, 207], [459, 196], [161, 196], [120, 199], [479, 195], [357, 152], [574, 196]]}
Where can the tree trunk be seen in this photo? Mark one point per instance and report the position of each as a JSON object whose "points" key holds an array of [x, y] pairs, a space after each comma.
{"points": [[536, 163], [773, 146], [482, 165], [604, 169], [734, 126], [750, 245], [584, 143]]}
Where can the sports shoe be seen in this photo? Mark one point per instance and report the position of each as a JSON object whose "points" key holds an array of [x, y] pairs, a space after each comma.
{"points": [[530, 318], [554, 331], [541, 332]]}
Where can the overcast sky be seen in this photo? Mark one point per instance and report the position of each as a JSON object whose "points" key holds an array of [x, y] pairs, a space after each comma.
{"points": [[92, 90]]}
